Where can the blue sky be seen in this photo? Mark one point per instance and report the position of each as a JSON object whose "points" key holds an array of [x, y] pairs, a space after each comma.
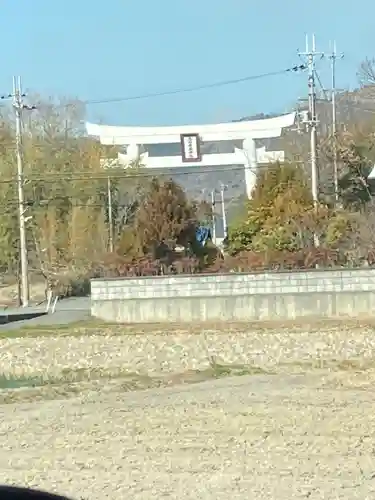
{"points": [[99, 50]]}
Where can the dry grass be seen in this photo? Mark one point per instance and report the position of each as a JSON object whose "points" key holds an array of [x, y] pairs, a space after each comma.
{"points": [[77, 382], [74, 382], [9, 293], [96, 327], [286, 424], [304, 366], [283, 438]]}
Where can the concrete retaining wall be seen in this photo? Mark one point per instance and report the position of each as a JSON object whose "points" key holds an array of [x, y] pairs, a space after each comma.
{"points": [[231, 297]]}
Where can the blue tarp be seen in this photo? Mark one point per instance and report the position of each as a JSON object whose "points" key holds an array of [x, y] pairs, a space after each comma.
{"points": [[202, 234]]}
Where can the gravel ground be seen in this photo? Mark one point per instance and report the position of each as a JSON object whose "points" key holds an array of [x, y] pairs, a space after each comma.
{"points": [[279, 436], [109, 349], [249, 437]]}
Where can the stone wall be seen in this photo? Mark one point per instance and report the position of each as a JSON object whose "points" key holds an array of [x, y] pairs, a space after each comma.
{"points": [[235, 297]]}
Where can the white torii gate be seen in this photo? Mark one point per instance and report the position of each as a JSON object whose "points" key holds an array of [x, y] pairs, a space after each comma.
{"points": [[190, 137]]}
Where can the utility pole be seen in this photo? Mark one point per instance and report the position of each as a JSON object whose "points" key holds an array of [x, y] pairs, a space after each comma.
{"points": [[223, 211], [213, 203], [312, 121], [110, 213], [333, 57], [18, 107]]}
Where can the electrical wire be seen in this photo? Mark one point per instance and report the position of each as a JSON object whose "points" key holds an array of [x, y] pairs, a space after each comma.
{"points": [[52, 178], [184, 90], [192, 170], [321, 85], [44, 202]]}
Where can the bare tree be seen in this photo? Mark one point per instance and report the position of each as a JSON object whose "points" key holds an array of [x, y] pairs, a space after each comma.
{"points": [[366, 72]]}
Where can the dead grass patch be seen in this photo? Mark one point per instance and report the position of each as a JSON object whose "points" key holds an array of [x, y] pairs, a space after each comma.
{"points": [[80, 381], [95, 327]]}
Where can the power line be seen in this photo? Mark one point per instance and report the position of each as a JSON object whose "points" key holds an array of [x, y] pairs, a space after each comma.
{"points": [[184, 90], [43, 203], [54, 177], [340, 96], [292, 69]]}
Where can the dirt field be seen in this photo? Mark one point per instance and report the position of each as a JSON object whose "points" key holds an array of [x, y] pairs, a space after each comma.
{"points": [[306, 433]]}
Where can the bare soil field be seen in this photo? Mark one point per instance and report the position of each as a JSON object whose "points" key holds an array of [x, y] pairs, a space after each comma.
{"points": [[283, 414]]}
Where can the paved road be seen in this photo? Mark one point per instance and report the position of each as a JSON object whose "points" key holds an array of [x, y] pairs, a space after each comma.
{"points": [[67, 311]]}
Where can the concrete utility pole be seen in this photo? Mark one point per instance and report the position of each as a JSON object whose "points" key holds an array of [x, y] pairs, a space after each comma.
{"points": [[213, 203], [312, 120], [223, 211], [333, 57], [18, 107], [312, 117], [110, 214]]}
